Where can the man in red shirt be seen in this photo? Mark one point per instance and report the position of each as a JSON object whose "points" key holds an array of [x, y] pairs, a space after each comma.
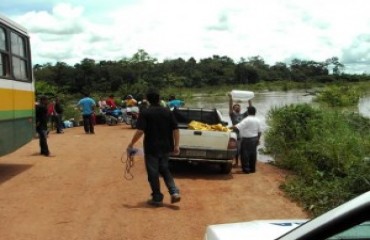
{"points": [[110, 102], [52, 115]]}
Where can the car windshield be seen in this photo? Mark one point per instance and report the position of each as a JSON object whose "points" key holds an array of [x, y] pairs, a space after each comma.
{"points": [[358, 232]]}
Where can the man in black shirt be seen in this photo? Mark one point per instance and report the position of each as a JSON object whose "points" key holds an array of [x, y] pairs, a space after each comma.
{"points": [[41, 125], [161, 137], [58, 108]]}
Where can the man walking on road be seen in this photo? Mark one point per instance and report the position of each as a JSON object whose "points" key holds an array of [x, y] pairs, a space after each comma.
{"points": [[161, 137], [41, 125]]}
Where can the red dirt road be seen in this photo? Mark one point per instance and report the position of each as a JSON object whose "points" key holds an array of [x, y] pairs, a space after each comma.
{"points": [[81, 193]]}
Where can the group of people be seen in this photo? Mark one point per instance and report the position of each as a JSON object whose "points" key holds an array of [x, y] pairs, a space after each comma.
{"points": [[110, 103], [130, 101], [160, 130], [88, 106]]}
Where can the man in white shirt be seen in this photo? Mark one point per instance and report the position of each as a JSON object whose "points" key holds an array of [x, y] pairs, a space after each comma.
{"points": [[250, 133]]}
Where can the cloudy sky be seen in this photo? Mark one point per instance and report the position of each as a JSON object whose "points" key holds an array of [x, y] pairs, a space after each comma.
{"points": [[276, 30]]}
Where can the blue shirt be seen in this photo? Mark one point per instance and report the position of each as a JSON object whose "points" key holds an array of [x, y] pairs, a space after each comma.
{"points": [[87, 105], [175, 103]]}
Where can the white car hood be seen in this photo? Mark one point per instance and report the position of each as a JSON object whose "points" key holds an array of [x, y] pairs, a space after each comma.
{"points": [[253, 230]]}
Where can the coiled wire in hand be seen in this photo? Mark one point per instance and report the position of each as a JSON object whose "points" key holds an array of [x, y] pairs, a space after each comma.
{"points": [[129, 163]]}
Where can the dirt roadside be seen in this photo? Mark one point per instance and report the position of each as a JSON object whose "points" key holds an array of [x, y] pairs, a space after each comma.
{"points": [[81, 193]]}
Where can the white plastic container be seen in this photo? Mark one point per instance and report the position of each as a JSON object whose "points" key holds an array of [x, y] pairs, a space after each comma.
{"points": [[241, 95]]}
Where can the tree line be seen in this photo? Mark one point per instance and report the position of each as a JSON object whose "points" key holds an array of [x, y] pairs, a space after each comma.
{"points": [[134, 75]]}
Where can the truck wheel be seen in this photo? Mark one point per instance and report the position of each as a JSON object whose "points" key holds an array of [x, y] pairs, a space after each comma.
{"points": [[226, 168]]}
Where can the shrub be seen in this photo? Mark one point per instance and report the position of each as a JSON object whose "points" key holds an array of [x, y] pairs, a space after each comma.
{"points": [[328, 152], [339, 96]]}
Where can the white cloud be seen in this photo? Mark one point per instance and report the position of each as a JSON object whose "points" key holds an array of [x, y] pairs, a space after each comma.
{"points": [[276, 30], [64, 19]]}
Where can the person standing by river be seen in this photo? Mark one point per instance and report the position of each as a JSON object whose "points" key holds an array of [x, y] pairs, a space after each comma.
{"points": [[250, 133], [236, 117]]}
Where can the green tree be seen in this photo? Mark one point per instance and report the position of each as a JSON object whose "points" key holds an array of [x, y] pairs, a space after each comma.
{"points": [[62, 75], [85, 75], [246, 74], [302, 69], [337, 66], [280, 71], [258, 64]]}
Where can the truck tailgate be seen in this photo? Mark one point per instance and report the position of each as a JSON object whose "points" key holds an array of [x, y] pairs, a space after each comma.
{"points": [[203, 139]]}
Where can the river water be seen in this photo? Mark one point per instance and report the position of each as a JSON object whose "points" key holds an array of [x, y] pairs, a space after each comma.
{"points": [[264, 101]]}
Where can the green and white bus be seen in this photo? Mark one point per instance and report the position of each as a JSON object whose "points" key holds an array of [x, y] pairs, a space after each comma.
{"points": [[17, 95]]}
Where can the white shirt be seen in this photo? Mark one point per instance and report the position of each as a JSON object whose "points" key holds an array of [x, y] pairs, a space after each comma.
{"points": [[249, 127], [102, 104]]}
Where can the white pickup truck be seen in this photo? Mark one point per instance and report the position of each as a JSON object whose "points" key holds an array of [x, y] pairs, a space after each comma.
{"points": [[215, 147]]}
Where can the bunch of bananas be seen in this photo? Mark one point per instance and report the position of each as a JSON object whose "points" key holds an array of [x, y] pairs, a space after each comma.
{"points": [[195, 125]]}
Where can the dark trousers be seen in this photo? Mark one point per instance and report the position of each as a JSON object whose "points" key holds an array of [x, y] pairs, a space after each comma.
{"points": [[248, 154], [53, 122], [88, 123], [155, 166], [43, 142], [59, 124]]}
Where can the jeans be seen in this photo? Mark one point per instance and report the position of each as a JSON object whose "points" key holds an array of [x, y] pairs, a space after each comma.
{"points": [[88, 123], [155, 166], [43, 142], [248, 154]]}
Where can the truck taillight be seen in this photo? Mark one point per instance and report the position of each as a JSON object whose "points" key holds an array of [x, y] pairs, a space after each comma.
{"points": [[233, 144]]}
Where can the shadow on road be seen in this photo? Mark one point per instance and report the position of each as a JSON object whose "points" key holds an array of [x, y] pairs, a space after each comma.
{"points": [[7, 171], [145, 205], [198, 171]]}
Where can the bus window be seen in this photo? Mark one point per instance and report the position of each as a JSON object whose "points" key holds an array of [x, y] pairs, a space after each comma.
{"points": [[2, 39], [19, 68], [17, 45], [2, 66], [4, 62], [19, 56]]}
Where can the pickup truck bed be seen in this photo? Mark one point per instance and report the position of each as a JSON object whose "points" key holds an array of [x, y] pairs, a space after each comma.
{"points": [[208, 146]]}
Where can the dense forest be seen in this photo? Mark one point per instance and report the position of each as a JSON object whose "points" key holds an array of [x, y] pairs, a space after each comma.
{"points": [[134, 75]]}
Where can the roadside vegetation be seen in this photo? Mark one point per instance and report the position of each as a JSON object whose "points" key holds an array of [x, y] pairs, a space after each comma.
{"points": [[327, 151]]}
